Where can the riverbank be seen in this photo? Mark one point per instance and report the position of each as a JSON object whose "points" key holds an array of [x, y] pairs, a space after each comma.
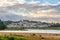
{"points": [[29, 36]]}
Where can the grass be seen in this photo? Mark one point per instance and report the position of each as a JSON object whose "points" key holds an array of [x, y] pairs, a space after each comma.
{"points": [[48, 28], [44, 28], [15, 28], [29, 36], [51, 28]]}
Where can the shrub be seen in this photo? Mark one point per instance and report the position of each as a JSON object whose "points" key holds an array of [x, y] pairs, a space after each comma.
{"points": [[22, 39], [11, 38], [33, 34]]}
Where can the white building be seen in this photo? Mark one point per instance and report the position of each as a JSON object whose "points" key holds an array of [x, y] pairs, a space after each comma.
{"points": [[27, 24]]}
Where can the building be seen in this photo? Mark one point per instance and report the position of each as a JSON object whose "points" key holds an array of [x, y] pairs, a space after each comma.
{"points": [[28, 24]]}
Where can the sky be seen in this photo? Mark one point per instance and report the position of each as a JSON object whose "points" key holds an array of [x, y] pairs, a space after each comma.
{"points": [[44, 1], [40, 10], [11, 2]]}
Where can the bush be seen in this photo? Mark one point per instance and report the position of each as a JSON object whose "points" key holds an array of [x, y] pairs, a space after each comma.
{"points": [[11, 38], [22, 38], [42, 38], [1, 38], [33, 34]]}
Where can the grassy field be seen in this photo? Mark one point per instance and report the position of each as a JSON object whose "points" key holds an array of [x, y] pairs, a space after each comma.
{"points": [[28, 36], [44, 28], [50, 28]]}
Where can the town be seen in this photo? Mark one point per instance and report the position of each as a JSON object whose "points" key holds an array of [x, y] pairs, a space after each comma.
{"points": [[29, 24]]}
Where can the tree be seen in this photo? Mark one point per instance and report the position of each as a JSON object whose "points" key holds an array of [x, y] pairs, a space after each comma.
{"points": [[2, 25], [55, 25], [8, 22]]}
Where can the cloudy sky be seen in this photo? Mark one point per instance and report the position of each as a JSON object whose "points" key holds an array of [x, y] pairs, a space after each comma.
{"points": [[40, 10]]}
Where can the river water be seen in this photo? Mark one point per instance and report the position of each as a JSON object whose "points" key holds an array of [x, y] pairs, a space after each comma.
{"points": [[33, 31]]}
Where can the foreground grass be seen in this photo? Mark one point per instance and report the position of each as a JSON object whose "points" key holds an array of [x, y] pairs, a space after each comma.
{"points": [[29, 36]]}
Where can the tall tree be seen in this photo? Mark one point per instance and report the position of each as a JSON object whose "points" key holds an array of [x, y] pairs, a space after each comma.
{"points": [[2, 25]]}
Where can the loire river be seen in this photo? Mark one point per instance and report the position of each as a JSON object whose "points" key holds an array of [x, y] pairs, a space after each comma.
{"points": [[34, 31]]}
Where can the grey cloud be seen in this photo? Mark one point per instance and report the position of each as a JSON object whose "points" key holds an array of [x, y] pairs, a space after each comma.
{"points": [[33, 8]]}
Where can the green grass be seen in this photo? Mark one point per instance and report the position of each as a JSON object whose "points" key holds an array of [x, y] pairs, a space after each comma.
{"points": [[51, 28], [15, 28], [47, 28], [12, 38], [43, 28]]}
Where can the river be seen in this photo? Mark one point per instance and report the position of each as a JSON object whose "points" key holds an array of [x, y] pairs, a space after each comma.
{"points": [[33, 31]]}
